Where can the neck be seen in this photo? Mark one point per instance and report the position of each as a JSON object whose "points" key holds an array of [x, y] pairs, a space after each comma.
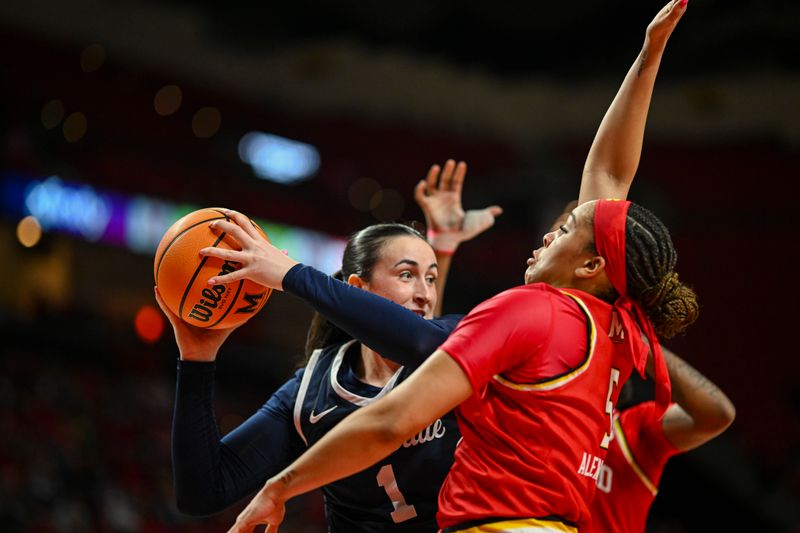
{"points": [[373, 369]]}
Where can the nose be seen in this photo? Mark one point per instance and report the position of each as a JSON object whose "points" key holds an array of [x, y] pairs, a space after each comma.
{"points": [[548, 238], [424, 293]]}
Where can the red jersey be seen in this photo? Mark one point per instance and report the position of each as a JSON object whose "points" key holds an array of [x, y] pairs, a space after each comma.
{"points": [[532, 447], [629, 479]]}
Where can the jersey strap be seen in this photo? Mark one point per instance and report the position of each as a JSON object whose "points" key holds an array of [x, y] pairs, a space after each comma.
{"points": [[301, 393], [557, 381], [628, 454]]}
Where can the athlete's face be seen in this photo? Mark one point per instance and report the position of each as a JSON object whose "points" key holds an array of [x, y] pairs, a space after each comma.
{"points": [[406, 274], [563, 250]]}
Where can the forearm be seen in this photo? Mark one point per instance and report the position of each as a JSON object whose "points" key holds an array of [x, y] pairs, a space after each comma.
{"points": [[615, 153], [702, 412], [374, 432], [195, 441], [389, 329], [210, 472], [366, 437], [443, 262], [697, 395]]}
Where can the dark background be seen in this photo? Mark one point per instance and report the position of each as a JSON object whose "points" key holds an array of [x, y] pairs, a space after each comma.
{"points": [[383, 90]]}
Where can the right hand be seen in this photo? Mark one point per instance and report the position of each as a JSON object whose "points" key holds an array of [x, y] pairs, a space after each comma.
{"points": [[194, 344], [260, 261], [659, 30], [439, 197], [267, 507]]}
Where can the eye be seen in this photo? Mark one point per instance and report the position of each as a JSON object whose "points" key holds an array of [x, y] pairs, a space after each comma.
{"points": [[431, 280], [406, 274], [563, 229]]}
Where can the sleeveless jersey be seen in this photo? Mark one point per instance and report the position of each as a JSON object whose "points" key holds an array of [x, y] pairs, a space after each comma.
{"points": [[398, 494], [532, 449], [628, 481]]}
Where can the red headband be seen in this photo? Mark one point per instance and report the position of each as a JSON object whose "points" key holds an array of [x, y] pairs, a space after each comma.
{"points": [[610, 218]]}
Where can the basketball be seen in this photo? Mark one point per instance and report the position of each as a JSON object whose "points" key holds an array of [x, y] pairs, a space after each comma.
{"points": [[182, 274]]}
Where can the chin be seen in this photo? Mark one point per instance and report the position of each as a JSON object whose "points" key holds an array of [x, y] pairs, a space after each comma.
{"points": [[529, 277]]}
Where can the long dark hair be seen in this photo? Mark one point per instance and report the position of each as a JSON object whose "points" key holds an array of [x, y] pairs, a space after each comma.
{"points": [[362, 252]]}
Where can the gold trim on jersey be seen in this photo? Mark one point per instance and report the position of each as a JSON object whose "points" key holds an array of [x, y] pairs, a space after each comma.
{"points": [[557, 381], [626, 452], [522, 525]]}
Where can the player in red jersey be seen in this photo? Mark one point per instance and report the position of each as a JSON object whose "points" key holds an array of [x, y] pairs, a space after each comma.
{"points": [[534, 373], [566, 390], [644, 441]]}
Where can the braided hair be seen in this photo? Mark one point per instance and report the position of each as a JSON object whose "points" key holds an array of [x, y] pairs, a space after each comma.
{"points": [[650, 259]]}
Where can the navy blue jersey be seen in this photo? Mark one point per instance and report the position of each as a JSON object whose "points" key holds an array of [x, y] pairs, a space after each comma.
{"points": [[398, 494]]}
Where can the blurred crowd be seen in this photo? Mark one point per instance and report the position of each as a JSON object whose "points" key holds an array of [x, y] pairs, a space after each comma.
{"points": [[86, 444]]}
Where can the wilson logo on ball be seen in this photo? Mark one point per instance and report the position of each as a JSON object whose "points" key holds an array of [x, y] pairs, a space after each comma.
{"points": [[182, 274]]}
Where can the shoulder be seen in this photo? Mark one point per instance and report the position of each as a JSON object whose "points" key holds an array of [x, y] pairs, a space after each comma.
{"points": [[535, 295]]}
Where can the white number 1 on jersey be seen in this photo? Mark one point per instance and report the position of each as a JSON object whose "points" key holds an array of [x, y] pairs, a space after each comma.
{"points": [[402, 510]]}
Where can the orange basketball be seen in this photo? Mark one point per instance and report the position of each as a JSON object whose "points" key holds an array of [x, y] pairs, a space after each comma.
{"points": [[182, 275]]}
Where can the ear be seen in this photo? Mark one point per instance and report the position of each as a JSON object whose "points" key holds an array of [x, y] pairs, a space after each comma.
{"points": [[591, 267], [356, 281]]}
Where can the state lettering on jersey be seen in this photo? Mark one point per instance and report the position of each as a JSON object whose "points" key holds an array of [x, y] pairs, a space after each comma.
{"points": [[434, 431], [590, 466]]}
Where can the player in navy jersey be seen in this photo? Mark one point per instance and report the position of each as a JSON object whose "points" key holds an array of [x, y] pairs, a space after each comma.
{"points": [[383, 265]]}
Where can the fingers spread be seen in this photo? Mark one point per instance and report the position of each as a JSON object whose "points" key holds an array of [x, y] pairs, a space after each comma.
{"points": [[446, 179], [224, 254], [458, 178], [227, 278], [419, 191], [234, 230], [243, 222], [430, 179]]}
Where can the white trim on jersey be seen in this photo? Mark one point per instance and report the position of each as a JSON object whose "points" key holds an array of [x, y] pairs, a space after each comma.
{"points": [[351, 397], [301, 393]]}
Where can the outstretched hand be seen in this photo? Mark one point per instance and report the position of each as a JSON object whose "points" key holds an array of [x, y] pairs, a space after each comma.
{"points": [[194, 344], [439, 197], [659, 30], [266, 507], [260, 261]]}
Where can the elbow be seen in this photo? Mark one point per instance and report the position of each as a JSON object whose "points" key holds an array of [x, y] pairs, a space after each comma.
{"points": [[722, 418], [727, 415], [391, 431]]}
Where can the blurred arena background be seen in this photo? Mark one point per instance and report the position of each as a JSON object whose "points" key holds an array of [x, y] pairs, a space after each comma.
{"points": [[117, 117]]}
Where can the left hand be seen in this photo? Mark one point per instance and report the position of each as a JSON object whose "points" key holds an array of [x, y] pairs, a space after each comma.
{"points": [[659, 30], [439, 197], [266, 507]]}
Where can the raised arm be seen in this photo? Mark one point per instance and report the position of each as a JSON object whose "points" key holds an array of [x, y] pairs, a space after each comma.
{"points": [[439, 197], [617, 147], [701, 410], [211, 472], [391, 330], [364, 438]]}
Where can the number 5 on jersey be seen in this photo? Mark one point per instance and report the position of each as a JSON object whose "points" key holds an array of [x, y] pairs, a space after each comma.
{"points": [[613, 381]]}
